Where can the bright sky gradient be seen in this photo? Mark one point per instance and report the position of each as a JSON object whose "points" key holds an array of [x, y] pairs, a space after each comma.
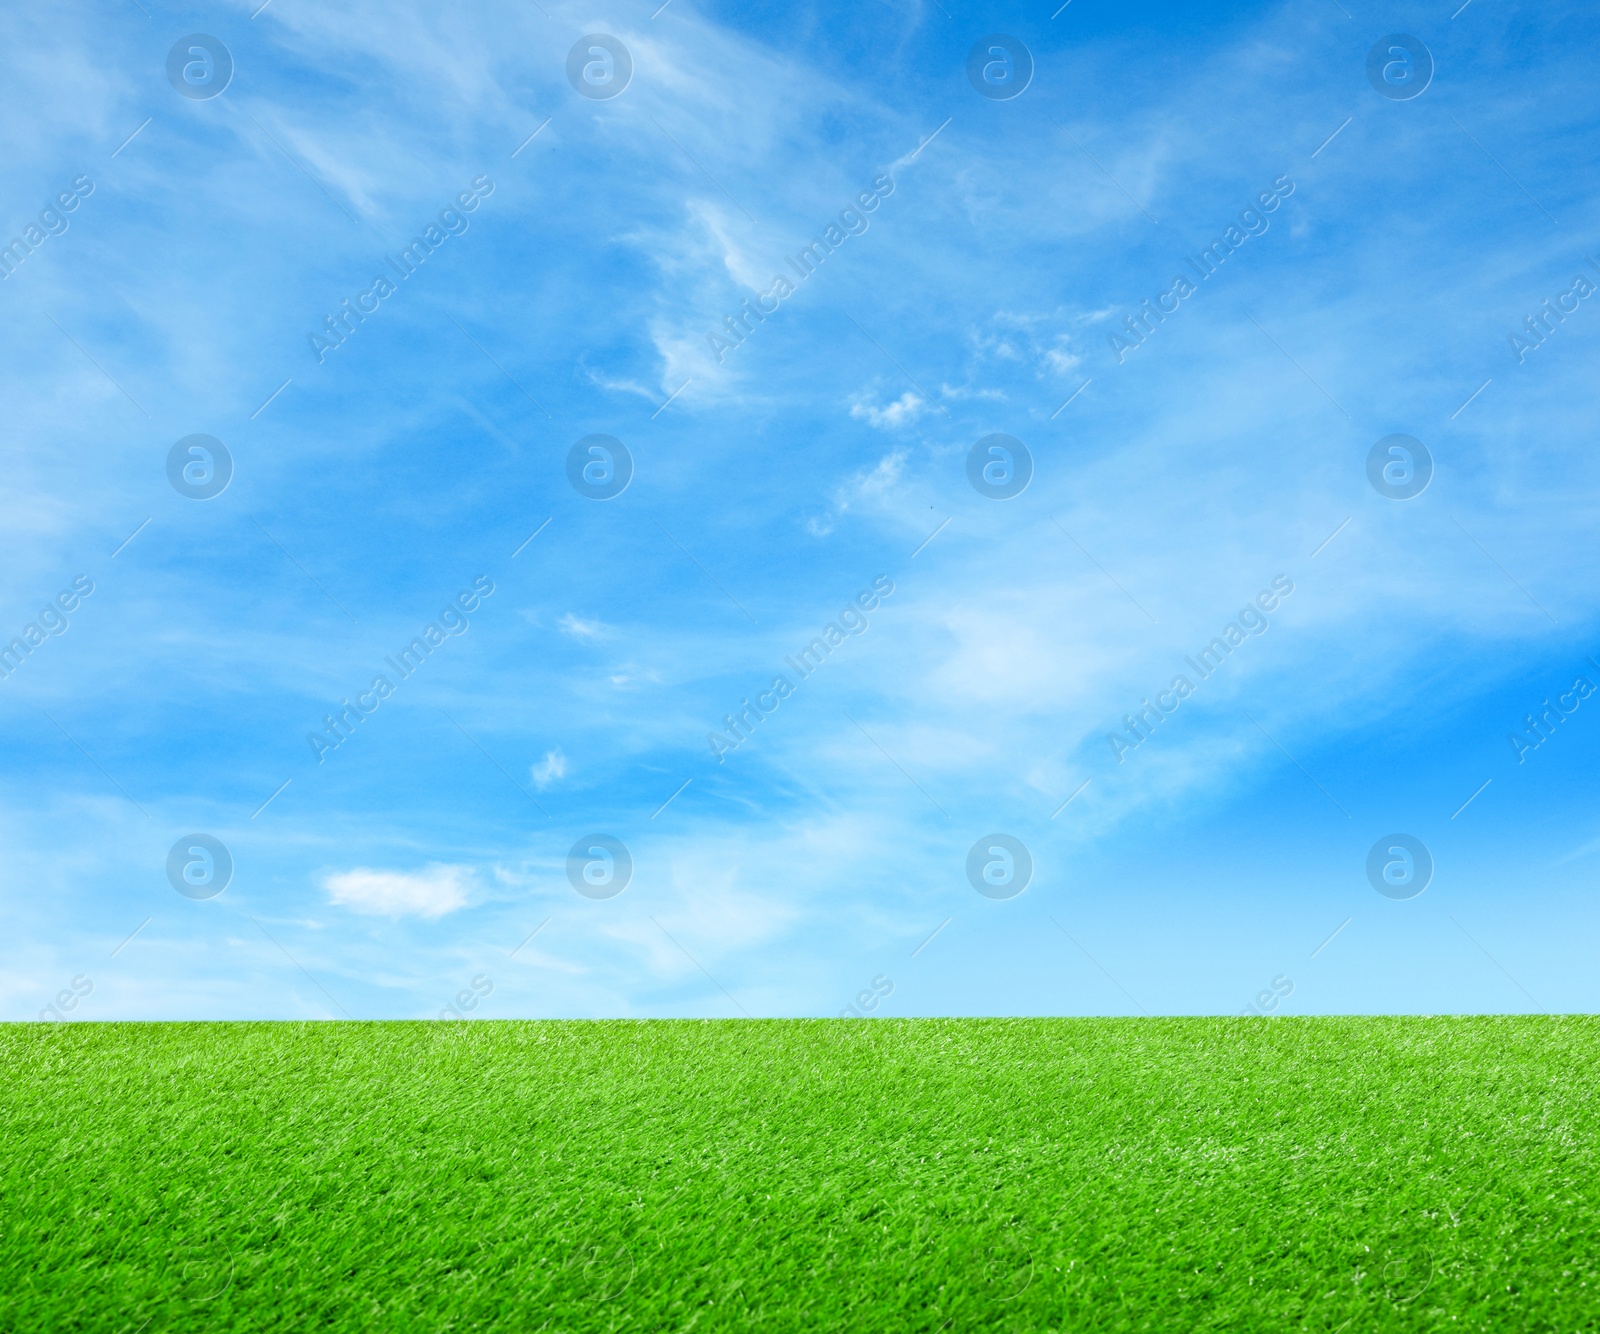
{"points": [[594, 258]]}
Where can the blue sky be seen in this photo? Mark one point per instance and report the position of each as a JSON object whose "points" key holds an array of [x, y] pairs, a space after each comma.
{"points": [[424, 458]]}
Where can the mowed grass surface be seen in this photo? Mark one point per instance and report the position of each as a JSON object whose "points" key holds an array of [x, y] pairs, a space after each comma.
{"points": [[1174, 1174]]}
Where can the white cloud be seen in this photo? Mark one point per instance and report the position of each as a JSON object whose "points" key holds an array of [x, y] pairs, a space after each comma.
{"points": [[429, 893], [622, 386], [873, 484], [579, 628], [902, 412], [891, 467], [1036, 341], [552, 767], [1061, 361]]}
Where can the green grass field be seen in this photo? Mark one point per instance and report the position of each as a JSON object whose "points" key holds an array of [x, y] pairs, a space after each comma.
{"points": [[1164, 1175]]}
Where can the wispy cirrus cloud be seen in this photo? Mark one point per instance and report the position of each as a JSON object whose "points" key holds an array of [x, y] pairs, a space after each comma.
{"points": [[430, 893]]}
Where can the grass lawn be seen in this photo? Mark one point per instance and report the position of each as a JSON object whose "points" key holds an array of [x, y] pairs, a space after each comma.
{"points": [[1071, 1174]]}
